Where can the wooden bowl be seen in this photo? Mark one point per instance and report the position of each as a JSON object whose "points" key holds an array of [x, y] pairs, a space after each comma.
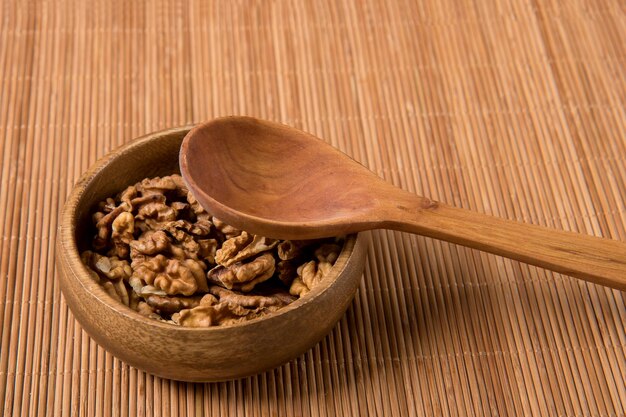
{"points": [[187, 354]]}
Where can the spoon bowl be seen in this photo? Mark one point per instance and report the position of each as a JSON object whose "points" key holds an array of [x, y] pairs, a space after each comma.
{"points": [[277, 181], [252, 171]]}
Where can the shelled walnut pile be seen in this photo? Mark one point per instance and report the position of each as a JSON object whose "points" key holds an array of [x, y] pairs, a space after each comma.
{"points": [[159, 252]]}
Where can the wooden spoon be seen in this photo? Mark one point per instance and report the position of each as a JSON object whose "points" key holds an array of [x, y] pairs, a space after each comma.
{"points": [[277, 181]]}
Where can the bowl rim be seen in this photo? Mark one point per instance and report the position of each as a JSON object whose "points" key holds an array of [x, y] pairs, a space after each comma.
{"points": [[68, 249]]}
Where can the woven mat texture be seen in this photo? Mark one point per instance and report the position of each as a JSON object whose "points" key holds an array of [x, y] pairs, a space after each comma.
{"points": [[510, 107]]}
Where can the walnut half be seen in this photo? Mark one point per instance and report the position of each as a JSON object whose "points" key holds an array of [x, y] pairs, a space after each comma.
{"points": [[218, 314], [243, 276]]}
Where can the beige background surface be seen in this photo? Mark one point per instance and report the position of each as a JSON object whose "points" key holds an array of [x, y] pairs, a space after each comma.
{"points": [[514, 108]]}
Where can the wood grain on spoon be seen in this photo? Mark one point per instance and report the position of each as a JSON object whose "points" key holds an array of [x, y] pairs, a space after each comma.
{"points": [[278, 181]]}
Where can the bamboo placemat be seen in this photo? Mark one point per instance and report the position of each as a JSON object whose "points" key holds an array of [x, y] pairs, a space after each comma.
{"points": [[509, 107]]}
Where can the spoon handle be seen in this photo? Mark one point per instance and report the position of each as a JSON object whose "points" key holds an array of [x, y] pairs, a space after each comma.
{"points": [[597, 260]]}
